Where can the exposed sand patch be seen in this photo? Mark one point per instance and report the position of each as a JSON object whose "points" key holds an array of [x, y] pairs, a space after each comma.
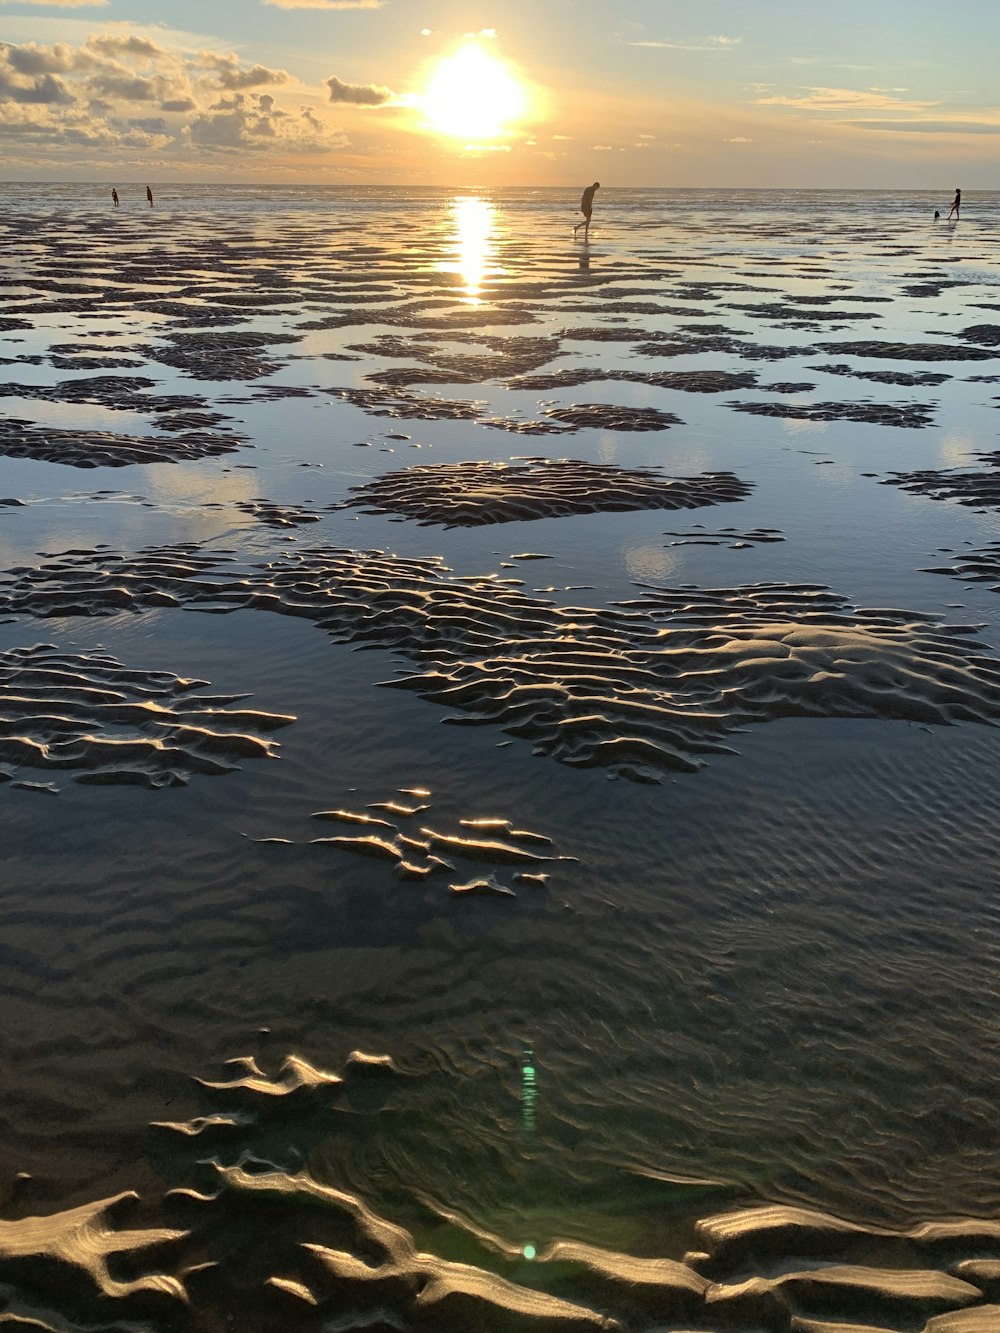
{"points": [[731, 537], [652, 684], [85, 1250], [911, 416], [20, 438], [978, 566], [688, 381], [416, 407], [891, 351], [463, 494], [221, 356], [399, 833], [900, 377], [100, 722], [968, 488]]}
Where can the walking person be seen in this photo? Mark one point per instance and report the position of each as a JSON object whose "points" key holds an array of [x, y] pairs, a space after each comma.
{"points": [[586, 208], [956, 205], [149, 196], [114, 198]]}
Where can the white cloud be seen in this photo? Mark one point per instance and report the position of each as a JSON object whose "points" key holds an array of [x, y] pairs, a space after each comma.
{"points": [[718, 43], [118, 91], [843, 99], [358, 94], [233, 76]]}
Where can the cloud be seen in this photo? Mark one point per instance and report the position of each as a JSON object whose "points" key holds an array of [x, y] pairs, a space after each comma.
{"points": [[233, 76], [115, 46], [718, 43], [322, 4], [931, 126], [118, 91], [47, 88], [739, 138], [843, 99], [358, 94]]}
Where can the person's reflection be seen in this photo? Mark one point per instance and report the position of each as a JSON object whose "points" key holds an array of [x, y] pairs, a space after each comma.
{"points": [[585, 258]]}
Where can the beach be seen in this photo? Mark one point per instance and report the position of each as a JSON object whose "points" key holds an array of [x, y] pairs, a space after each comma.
{"points": [[498, 739]]}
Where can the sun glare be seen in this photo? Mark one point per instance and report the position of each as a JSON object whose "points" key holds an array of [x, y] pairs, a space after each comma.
{"points": [[473, 96], [473, 259]]}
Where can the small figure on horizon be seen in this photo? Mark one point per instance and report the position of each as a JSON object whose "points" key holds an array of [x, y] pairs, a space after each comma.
{"points": [[956, 205], [586, 208], [149, 196], [114, 198]]}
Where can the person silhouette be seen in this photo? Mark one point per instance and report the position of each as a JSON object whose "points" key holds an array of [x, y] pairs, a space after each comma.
{"points": [[586, 208], [114, 198], [956, 205], [937, 214], [149, 196]]}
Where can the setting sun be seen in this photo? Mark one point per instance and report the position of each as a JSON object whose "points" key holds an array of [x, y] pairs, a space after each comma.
{"points": [[472, 95]]}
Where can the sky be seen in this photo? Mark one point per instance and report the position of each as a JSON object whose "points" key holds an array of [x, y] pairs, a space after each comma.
{"points": [[893, 94]]}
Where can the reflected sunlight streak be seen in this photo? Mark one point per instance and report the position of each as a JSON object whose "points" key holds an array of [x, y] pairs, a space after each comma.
{"points": [[473, 219]]}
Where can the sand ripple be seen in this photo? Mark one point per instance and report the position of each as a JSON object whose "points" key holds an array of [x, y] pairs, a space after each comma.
{"points": [[651, 684], [463, 494], [101, 722], [911, 416], [419, 850], [968, 488], [100, 448]]}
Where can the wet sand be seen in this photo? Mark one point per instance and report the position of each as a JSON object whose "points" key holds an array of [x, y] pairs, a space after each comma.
{"points": [[655, 991]]}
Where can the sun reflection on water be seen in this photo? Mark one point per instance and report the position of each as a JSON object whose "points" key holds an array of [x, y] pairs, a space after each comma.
{"points": [[475, 256]]}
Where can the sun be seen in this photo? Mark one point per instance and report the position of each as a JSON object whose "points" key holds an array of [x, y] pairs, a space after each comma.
{"points": [[472, 95]]}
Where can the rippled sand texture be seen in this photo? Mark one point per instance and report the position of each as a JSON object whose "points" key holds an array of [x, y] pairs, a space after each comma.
{"points": [[771, 1268], [469, 493], [654, 683], [96, 720], [437, 1027]]}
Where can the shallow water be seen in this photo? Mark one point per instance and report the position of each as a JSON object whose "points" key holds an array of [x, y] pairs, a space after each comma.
{"points": [[765, 977]]}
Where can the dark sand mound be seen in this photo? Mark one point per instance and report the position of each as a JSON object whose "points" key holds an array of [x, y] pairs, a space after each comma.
{"points": [[465, 494], [900, 377], [98, 721], [907, 351], [983, 335], [505, 357], [968, 488], [704, 342], [220, 356], [911, 416], [410, 406], [274, 515], [688, 381], [651, 684], [404, 406], [610, 416], [100, 448], [126, 393]]}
